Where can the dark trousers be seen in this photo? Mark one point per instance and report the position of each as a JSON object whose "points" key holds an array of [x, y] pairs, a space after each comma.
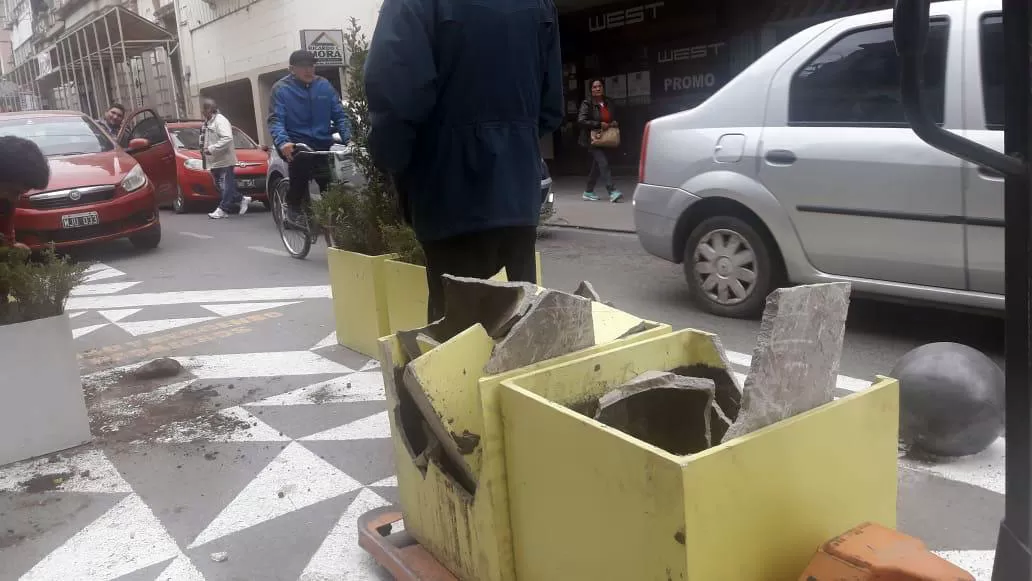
{"points": [[225, 181], [303, 170], [479, 255], [599, 168]]}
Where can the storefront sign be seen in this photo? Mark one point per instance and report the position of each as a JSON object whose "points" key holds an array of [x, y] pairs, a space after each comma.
{"points": [[688, 53], [625, 17], [694, 69], [326, 45]]}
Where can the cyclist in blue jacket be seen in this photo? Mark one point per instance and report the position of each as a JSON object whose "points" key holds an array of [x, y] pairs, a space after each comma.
{"points": [[305, 108]]}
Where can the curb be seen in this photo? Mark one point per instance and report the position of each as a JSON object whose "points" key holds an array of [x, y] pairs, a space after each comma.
{"points": [[591, 228]]}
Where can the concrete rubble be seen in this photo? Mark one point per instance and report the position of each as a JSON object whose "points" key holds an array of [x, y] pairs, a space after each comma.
{"points": [[796, 361], [527, 323], [158, 369], [670, 411]]}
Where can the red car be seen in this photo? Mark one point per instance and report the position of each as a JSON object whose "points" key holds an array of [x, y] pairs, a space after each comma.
{"points": [[99, 190], [196, 186]]}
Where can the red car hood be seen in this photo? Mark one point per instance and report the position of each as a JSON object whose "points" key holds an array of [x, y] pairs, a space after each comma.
{"points": [[94, 169], [244, 155]]}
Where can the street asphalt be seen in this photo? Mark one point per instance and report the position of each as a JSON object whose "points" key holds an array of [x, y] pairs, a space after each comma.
{"points": [[265, 371]]}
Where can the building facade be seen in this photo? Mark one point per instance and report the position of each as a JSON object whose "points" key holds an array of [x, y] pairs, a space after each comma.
{"points": [[658, 57], [235, 50], [87, 54], [655, 57]]}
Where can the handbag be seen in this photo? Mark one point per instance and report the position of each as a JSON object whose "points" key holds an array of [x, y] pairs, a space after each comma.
{"points": [[608, 138]]}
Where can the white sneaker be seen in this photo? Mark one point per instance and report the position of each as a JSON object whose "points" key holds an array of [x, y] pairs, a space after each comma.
{"points": [[245, 203], [218, 214]]}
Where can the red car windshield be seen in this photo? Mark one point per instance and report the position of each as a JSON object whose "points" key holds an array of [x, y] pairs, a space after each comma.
{"points": [[190, 138], [57, 136]]}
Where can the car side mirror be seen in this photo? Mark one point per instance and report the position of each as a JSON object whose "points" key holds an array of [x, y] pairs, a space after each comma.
{"points": [[138, 144], [265, 148]]}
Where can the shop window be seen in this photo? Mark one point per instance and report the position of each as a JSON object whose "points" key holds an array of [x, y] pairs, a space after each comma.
{"points": [[992, 70], [855, 80]]}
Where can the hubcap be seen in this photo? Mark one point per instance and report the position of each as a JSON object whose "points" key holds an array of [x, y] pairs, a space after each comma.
{"points": [[725, 267]]}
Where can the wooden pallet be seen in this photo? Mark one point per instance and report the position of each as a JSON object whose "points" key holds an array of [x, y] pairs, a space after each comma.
{"points": [[399, 553]]}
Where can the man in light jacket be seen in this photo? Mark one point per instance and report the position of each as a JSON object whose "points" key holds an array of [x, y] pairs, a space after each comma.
{"points": [[219, 154]]}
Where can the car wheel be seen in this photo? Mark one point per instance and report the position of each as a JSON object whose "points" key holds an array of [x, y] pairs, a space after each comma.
{"points": [[148, 239], [729, 267], [180, 205]]}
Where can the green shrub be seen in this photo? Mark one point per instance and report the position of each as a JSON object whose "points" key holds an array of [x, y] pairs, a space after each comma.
{"points": [[35, 289], [365, 219]]}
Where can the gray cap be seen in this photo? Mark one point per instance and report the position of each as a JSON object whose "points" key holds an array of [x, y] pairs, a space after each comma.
{"points": [[302, 58]]}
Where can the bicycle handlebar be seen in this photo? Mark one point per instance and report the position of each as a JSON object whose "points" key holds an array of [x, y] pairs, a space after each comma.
{"points": [[303, 149]]}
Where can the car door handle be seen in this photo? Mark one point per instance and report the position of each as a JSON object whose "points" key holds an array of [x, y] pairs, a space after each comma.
{"points": [[990, 174], [780, 157]]}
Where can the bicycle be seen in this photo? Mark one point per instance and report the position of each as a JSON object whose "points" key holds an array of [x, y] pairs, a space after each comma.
{"points": [[298, 236]]}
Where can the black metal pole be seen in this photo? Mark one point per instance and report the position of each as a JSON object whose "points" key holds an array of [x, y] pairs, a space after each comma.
{"points": [[1013, 559]]}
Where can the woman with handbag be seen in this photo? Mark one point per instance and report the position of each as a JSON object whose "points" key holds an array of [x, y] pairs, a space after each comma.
{"points": [[599, 131]]}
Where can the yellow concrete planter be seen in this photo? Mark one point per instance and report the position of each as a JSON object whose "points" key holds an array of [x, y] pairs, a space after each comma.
{"points": [[469, 533], [359, 299], [588, 502], [407, 294]]}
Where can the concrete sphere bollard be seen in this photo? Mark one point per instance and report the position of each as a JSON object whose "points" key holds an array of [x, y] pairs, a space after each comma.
{"points": [[951, 400]]}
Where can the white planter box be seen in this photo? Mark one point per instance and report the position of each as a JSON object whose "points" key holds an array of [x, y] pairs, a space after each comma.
{"points": [[42, 406]]}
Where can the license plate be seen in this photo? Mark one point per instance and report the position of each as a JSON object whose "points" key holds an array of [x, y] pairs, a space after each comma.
{"points": [[247, 183], [80, 220]]}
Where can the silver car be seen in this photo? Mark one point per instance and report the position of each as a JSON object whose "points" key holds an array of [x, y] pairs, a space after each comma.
{"points": [[802, 169]]}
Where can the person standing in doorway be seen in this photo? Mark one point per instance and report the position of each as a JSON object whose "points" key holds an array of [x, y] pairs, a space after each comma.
{"points": [[220, 157], [460, 93], [112, 119], [596, 114]]}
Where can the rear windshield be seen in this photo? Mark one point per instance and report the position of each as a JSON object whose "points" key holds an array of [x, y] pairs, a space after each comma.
{"points": [[190, 138], [57, 136]]}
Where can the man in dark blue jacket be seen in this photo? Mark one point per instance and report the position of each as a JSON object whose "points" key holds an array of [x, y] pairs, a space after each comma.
{"points": [[460, 94], [305, 108]]}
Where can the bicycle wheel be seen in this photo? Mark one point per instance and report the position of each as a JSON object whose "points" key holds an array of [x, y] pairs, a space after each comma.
{"points": [[295, 237]]}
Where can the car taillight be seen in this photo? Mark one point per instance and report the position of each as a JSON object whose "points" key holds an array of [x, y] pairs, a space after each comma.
{"points": [[644, 152]]}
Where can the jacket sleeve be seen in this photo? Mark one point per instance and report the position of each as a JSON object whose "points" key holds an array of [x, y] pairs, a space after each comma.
{"points": [[552, 87], [585, 118], [277, 114], [400, 76], [224, 134], [339, 116]]}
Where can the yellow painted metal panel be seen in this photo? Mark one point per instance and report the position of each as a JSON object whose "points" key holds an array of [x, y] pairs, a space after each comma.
{"points": [[773, 496], [406, 295], [600, 506], [469, 535], [753, 509], [359, 305]]}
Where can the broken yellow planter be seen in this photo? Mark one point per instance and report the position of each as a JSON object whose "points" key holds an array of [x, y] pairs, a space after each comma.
{"points": [[359, 299], [407, 293], [752, 509], [468, 532]]}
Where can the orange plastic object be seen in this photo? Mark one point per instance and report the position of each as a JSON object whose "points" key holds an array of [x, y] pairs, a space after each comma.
{"points": [[871, 552]]}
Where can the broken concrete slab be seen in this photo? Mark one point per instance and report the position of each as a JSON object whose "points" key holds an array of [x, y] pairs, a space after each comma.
{"points": [[796, 361], [556, 323], [719, 423], [469, 301], [587, 290], [666, 410], [158, 369]]}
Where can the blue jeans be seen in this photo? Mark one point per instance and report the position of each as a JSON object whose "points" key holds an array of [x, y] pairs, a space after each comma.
{"points": [[225, 181]]}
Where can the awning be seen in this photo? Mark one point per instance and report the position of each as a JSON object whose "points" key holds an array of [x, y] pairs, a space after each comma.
{"points": [[116, 35]]}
